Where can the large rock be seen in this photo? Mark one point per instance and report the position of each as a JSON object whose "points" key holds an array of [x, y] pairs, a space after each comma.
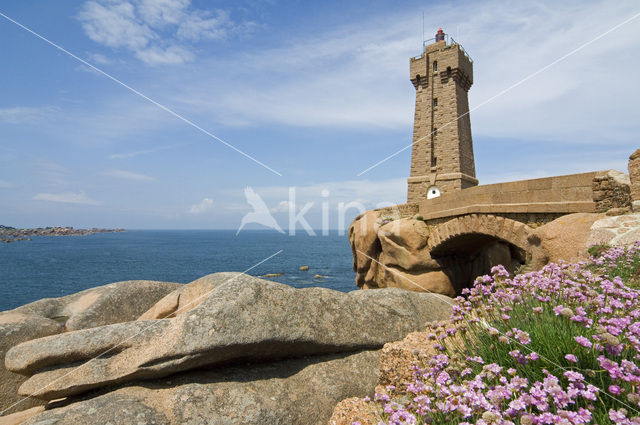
{"points": [[404, 244], [406, 261], [14, 329], [365, 247], [113, 303], [296, 391], [436, 282], [243, 318], [21, 416], [102, 305], [397, 361], [185, 298], [566, 238], [395, 255]]}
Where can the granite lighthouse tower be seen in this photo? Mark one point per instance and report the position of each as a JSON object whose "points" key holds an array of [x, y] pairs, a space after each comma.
{"points": [[442, 154]]}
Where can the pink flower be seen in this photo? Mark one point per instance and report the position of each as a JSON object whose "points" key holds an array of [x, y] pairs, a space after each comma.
{"points": [[583, 341], [571, 358], [573, 376]]}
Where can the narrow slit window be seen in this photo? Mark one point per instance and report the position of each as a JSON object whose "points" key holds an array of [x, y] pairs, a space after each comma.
{"points": [[435, 66], [435, 101]]}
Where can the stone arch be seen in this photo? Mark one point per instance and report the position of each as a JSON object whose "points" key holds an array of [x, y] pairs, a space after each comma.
{"points": [[468, 246], [505, 229]]}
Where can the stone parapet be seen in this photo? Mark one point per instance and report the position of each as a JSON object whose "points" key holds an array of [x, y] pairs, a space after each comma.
{"points": [[557, 195], [514, 208], [611, 189], [399, 211]]}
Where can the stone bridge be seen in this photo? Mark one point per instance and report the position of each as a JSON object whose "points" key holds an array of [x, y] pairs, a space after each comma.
{"points": [[468, 231], [511, 211]]}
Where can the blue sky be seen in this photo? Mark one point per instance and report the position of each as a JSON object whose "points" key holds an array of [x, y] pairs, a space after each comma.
{"points": [[318, 91]]}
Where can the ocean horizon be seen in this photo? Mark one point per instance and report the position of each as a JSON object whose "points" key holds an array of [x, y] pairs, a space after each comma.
{"points": [[55, 266]]}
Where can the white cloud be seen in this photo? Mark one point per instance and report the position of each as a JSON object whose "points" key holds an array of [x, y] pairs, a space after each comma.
{"points": [[346, 78], [357, 76], [573, 100], [154, 30], [172, 55], [133, 154], [66, 197], [160, 13], [196, 28], [128, 175], [115, 24], [100, 59], [367, 192], [26, 114], [5, 184], [205, 205]]}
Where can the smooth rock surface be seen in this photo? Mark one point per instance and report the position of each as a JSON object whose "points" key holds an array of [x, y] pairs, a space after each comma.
{"points": [[242, 319], [185, 298], [395, 255], [21, 416], [107, 304], [566, 238], [297, 391], [102, 305], [404, 244], [14, 329], [365, 247]]}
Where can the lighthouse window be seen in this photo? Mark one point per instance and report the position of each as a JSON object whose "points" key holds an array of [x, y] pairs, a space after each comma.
{"points": [[433, 192], [435, 66], [435, 101]]}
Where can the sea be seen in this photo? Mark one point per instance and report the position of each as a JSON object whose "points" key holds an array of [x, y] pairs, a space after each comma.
{"points": [[54, 266]]}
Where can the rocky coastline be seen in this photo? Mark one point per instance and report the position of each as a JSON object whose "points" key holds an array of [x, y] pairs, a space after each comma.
{"points": [[12, 234], [227, 348]]}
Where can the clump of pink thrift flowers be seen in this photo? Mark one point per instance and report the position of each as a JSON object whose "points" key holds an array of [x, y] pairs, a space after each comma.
{"points": [[556, 346]]}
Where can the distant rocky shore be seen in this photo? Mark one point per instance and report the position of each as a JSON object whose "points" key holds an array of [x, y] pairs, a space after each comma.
{"points": [[12, 234]]}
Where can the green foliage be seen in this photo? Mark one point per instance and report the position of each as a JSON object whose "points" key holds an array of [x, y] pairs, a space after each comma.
{"points": [[598, 250]]}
